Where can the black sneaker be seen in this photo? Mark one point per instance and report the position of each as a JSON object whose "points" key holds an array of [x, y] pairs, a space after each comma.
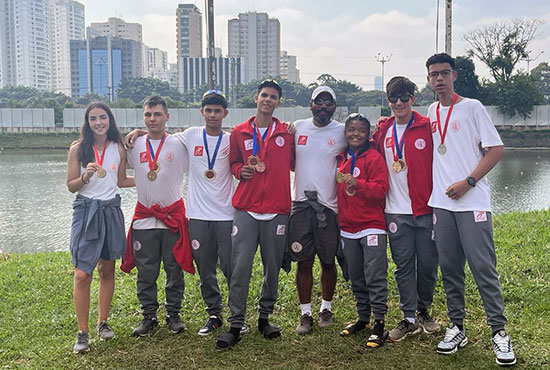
{"points": [[212, 324], [174, 323], [146, 326]]}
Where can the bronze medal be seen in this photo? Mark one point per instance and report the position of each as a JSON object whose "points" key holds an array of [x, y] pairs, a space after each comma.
{"points": [[350, 190], [101, 173], [210, 174], [157, 167], [396, 166], [339, 177], [442, 149], [253, 160], [260, 167], [152, 175]]}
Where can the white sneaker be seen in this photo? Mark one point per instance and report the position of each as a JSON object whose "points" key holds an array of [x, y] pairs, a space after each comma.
{"points": [[503, 349], [453, 340]]}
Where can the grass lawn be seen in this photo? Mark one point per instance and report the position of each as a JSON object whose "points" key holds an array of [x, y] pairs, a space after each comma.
{"points": [[38, 324]]}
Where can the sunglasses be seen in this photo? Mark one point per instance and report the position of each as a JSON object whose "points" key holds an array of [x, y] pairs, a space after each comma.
{"points": [[270, 80], [329, 102], [357, 116], [444, 73], [217, 92], [404, 98]]}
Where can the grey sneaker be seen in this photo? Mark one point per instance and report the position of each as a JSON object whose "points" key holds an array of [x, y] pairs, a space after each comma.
{"points": [[427, 322], [306, 324], [174, 323], [403, 330], [105, 332], [453, 340], [325, 318], [82, 342], [502, 345], [146, 326]]}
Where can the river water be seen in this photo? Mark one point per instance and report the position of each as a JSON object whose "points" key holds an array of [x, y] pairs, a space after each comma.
{"points": [[35, 205]]}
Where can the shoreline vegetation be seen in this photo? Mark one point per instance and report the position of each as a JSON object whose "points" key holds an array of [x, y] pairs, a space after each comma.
{"points": [[38, 324], [513, 139]]}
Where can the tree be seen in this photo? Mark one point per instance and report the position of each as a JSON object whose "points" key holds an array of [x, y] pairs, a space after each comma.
{"points": [[541, 76], [90, 97], [501, 45], [122, 103], [467, 82], [139, 88]]}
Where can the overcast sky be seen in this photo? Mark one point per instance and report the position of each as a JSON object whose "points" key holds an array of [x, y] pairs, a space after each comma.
{"points": [[341, 37]]}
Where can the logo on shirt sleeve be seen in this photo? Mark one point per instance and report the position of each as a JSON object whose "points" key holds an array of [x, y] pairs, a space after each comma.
{"points": [[389, 142], [142, 157], [302, 140], [248, 144], [198, 150]]}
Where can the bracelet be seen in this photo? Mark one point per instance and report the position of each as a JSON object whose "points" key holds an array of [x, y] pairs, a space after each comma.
{"points": [[82, 179]]}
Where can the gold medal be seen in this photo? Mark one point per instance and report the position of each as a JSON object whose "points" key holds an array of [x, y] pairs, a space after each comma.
{"points": [[152, 175], [442, 149], [157, 167], [260, 167], [350, 190], [101, 173], [253, 160], [210, 174], [396, 166], [339, 177]]}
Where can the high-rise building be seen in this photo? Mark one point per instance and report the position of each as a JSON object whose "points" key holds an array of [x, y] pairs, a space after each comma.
{"points": [[25, 43], [157, 64], [68, 24], [188, 31], [117, 27], [99, 64], [288, 67], [256, 39]]}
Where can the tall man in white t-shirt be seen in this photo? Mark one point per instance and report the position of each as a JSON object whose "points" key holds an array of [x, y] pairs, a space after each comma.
{"points": [[466, 147], [313, 227]]}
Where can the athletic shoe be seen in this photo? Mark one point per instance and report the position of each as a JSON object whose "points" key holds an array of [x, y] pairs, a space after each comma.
{"points": [[427, 322], [82, 342], [376, 341], [105, 332], [174, 323], [325, 318], [453, 340], [146, 326], [403, 330], [503, 349], [212, 324], [245, 328], [306, 324]]}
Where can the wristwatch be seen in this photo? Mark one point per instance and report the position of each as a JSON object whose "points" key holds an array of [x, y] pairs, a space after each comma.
{"points": [[471, 181]]}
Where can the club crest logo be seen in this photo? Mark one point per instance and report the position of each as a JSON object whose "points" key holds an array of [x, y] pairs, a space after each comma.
{"points": [[296, 247], [143, 157], [331, 142], [393, 227], [302, 140], [169, 156], [280, 141], [420, 144], [137, 245], [195, 244], [455, 126], [389, 142], [198, 150]]}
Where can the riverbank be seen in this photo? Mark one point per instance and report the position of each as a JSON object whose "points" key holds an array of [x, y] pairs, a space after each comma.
{"points": [[517, 139], [37, 324]]}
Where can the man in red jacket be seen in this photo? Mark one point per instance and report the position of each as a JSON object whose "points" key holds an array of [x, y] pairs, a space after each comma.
{"points": [[405, 141], [261, 157]]}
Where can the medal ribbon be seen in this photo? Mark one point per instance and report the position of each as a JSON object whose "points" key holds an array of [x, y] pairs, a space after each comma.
{"points": [[397, 148], [152, 157], [99, 160], [265, 139], [442, 135], [211, 163]]}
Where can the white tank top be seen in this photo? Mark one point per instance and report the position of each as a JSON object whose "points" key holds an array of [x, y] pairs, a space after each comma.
{"points": [[104, 188]]}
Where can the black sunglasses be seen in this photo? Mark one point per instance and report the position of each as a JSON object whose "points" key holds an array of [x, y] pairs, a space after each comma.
{"points": [[404, 98], [329, 102]]}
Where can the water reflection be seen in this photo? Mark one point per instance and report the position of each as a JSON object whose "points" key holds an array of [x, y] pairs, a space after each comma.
{"points": [[35, 205]]}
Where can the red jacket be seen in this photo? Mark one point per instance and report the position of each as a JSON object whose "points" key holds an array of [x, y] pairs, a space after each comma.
{"points": [[419, 156], [173, 216], [365, 210], [269, 191]]}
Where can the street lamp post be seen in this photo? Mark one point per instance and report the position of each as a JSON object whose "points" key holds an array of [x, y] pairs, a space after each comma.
{"points": [[528, 59], [383, 60]]}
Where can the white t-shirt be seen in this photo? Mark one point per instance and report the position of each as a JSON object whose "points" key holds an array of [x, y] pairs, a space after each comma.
{"points": [[167, 187], [316, 151], [208, 199], [104, 188], [398, 200], [469, 126]]}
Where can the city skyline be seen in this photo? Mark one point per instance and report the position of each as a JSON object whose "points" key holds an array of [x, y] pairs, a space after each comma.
{"points": [[341, 40]]}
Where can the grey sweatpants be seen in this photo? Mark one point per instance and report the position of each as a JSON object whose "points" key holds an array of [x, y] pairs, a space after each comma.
{"points": [[247, 233], [150, 246], [211, 243], [367, 263], [460, 238], [415, 256]]}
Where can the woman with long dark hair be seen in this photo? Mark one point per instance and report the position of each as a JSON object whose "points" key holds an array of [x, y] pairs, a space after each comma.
{"points": [[96, 167]]}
